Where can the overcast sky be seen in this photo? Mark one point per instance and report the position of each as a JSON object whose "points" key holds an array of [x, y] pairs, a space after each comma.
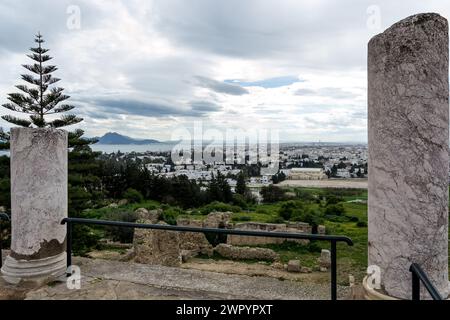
{"points": [[146, 68]]}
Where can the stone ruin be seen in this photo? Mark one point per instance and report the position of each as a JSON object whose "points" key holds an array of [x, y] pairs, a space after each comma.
{"points": [[273, 227], [155, 246], [171, 248]]}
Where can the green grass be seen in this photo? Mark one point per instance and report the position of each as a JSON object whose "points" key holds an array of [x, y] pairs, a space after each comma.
{"points": [[350, 259]]}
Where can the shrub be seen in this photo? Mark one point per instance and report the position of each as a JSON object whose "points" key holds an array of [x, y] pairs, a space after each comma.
{"points": [[314, 218], [290, 209], [219, 206], [272, 193], [332, 199], [121, 234], [133, 196], [314, 247], [84, 239], [335, 210], [354, 219], [170, 214], [240, 200], [361, 224]]}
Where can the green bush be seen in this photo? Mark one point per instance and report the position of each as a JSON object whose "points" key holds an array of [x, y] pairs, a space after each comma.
{"points": [[354, 219], [314, 247], [361, 224], [332, 199], [85, 238], [170, 214], [121, 234], [240, 201], [272, 194], [219, 206], [335, 210], [133, 196], [291, 209]]}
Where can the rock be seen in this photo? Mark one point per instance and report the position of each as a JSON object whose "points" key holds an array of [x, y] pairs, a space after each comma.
{"points": [[298, 227], [188, 254], [351, 280], [151, 216], [293, 266], [321, 229], [245, 253], [325, 258], [113, 205], [305, 270], [323, 269], [194, 240], [278, 265], [160, 247], [122, 202], [218, 220]]}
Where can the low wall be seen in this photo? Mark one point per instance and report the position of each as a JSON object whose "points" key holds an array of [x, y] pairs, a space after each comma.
{"points": [[275, 227]]}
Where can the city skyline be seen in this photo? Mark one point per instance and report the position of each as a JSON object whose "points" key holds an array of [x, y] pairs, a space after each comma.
{"points": [[145, 69]]}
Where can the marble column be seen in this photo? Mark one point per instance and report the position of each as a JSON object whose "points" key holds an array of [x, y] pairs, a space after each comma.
{"points": [[408, 125], [38, 204]]}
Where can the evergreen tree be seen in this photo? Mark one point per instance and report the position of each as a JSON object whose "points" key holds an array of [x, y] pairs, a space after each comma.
{"points": [[38, 100], [85, 189], [4, 139], [241, 186]]}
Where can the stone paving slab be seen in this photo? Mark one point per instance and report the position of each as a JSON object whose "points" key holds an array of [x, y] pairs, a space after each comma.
{"points": [[105, 279]]}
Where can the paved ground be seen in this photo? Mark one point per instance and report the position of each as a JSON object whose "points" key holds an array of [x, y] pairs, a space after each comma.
{"points": [[106, 279], [327, 183]]}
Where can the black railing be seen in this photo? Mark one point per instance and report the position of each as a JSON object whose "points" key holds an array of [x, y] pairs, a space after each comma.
{"points": [[418, 276], [5, 217], [332, 239]]}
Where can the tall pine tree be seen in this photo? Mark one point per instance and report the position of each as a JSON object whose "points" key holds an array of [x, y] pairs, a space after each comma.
{"points": [[39, 100]]}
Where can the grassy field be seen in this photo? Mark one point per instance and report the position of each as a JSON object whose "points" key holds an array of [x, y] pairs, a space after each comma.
{"points": [[351, 260]]}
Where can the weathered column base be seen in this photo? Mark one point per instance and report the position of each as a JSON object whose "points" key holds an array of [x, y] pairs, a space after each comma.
{"points": [[35, 272], [373, 294]]}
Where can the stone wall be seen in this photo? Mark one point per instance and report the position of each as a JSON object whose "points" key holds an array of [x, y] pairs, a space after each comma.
{"points": [[298, 227], [246, 253]]}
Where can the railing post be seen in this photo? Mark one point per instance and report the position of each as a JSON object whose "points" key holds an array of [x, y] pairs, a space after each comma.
{"points": [[333, 271], [1, 258], [69, 246], [415, 286]]}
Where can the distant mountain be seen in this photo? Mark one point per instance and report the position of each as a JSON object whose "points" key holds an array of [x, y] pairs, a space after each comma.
{"points": [[116, 138]]}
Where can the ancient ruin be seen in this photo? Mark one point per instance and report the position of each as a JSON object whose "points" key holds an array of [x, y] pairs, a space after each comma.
{"points": [[38, 204], [408, 115]]}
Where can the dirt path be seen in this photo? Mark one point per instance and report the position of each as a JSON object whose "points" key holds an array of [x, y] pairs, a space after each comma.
{"points": [[108, 279]]}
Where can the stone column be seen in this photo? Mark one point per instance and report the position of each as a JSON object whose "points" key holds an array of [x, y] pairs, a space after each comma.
{"points": [[38, 204], [408, 115]]}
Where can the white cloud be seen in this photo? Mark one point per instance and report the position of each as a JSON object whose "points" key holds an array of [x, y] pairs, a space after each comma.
{"points": [[144, 68]]}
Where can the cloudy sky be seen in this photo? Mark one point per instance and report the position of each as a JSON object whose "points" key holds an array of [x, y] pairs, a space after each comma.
{"points": [[147, 68]]}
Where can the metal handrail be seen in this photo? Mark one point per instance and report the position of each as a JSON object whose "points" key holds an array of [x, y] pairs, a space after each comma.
{"points": [[418, 275], [4, 217], [274, 234]]}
